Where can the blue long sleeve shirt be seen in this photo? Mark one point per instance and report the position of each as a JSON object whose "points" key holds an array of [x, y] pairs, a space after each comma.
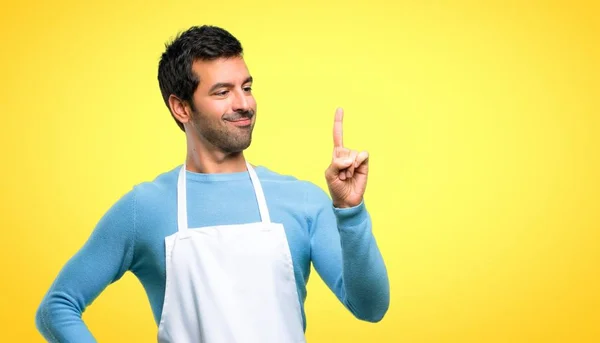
{"points": [[130, 237]]}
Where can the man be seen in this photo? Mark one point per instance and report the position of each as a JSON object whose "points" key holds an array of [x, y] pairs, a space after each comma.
{"points": [[223, 248]]}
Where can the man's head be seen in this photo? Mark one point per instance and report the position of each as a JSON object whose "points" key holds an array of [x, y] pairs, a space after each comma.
{"points": [[206, 85]]}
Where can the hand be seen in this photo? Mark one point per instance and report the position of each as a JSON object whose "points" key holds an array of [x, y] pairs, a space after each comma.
{"points": [[347, 174]]}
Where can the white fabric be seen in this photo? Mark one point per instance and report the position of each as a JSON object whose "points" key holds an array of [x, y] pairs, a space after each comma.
{"points": [[229, 283]]}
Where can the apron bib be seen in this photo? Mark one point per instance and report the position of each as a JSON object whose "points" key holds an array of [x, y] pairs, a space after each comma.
{"points": [[229, 283]]}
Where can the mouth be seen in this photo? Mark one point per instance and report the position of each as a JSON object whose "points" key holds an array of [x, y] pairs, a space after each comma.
{"points": [[242, 122]]}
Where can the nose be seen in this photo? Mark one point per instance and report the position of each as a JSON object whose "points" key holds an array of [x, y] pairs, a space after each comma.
{"points": [[240, 102]]}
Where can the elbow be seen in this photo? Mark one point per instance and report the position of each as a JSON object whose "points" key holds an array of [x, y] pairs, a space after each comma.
{"points": [[378, 316], [47, 316], [374, 316], [40, 318], [374, 312]]}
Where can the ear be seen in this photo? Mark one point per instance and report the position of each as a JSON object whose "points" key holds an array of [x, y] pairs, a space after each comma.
{"points": [[180, 109]]}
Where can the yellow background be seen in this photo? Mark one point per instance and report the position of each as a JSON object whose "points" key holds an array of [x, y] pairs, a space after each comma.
{"points": [[481, 119]]}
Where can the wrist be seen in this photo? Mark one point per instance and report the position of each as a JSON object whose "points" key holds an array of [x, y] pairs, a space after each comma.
{"points": [[351, 216], [339, 204]]}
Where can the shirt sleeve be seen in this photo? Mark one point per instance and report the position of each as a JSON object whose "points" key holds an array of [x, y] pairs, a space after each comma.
{"points": [[346, 256], [102, 260]]}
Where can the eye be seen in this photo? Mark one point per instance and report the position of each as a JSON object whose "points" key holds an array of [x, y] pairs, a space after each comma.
{"points": [[222, 93], [248, 89]]}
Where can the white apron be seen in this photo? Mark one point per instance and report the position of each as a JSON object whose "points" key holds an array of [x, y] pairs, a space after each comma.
{"points": [[229, 283]]}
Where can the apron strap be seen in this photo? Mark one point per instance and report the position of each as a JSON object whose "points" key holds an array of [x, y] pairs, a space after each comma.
{"points": [[182, 223], [182, 218], [260, 196]]}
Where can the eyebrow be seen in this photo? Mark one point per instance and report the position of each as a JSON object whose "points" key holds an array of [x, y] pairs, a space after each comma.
{"points": [[227, 84]]}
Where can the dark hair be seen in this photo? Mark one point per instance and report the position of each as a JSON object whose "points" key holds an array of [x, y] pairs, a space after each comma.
{"points": [[175, 75]]}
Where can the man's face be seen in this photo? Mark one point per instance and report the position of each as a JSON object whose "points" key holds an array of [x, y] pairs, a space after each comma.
{"points": [[225, 109]]}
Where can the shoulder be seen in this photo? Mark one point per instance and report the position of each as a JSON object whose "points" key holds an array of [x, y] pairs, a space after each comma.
{"points": [[311, 192], [267, 174], [151, 193], [159, 183]]}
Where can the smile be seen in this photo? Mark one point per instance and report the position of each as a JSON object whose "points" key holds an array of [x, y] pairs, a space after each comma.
{"points": [[241, 122]]}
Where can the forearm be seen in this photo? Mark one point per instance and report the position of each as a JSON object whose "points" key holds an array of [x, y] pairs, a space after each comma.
{"points": [[58, 319], [364, 274], [104, 258]]}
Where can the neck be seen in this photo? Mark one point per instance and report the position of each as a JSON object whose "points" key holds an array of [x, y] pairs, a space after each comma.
{"points": [[204, 158]]}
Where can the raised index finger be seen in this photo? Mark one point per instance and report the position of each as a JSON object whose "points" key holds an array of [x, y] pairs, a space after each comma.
{"points": [[338, 142]]}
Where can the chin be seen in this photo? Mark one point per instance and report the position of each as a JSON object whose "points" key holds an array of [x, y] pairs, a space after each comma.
{"points": [[237, 148]]}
